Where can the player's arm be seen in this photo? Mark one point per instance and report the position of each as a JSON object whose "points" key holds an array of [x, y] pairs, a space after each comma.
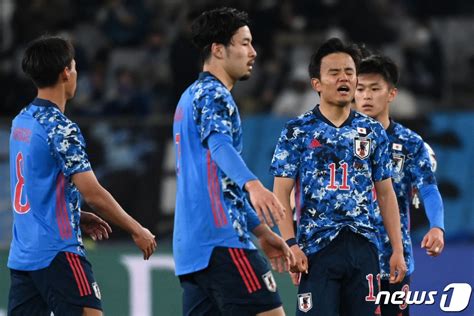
{"points": [[391, 220], [433, 241], [107, 207], [282, 188], [274, 247], [424, 178], [232, 164]]}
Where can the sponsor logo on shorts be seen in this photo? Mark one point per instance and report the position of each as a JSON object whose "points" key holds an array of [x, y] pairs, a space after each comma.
{"points": [[305, 302], [269, 281], [96, 289]]}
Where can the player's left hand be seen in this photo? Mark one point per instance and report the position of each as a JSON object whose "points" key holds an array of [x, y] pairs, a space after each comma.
{"points": [[433, 242], [94, 226], [275, 248], [398, 267]]}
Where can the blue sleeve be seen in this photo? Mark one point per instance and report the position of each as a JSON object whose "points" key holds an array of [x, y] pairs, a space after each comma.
{"points": [[381, 161], [252, 220], [433, 205], [286, 158], [228, 160]]}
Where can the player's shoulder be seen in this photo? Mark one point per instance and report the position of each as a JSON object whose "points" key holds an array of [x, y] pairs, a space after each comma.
{"points": [[302, 122], [361, 120], [210, 88], [406, 135]]}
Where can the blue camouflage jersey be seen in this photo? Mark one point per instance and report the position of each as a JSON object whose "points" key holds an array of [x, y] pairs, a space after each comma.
{"points": [[411, 170], [211, 209], [335, 169], [46, 150]]}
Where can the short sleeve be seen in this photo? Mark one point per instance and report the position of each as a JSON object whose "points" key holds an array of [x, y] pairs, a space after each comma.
{"points": [[69, 146], [420, 167], [381, 160], [286, 158], [212, 111]]}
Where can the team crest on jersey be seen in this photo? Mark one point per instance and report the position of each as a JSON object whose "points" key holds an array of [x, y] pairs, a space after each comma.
{"points": [[269, 281], [361, 147], [96, 289], [398, 161], [305, 302]]}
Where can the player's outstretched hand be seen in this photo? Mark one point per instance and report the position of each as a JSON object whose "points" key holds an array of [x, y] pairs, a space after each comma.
{"points": [[94, 226], [398, 268], [265, 203], [145, 241], [433, 242], [275, 248], [301, 261]]}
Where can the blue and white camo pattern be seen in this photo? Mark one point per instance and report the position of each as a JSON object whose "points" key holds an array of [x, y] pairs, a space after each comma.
{"points": [[308, 145], [214, 110], [411, 169], [67, 146]]}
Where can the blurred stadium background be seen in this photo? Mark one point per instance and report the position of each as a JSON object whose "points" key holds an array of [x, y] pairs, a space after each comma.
{"points": [[134, 59]]}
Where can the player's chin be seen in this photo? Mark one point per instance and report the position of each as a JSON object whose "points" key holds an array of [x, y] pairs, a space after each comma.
{"points": [[245, 77]]}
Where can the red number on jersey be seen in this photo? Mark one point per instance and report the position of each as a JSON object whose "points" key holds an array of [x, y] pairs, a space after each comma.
{"points": [[370, 279], [177, 141], [333, 185], [19, 207]]}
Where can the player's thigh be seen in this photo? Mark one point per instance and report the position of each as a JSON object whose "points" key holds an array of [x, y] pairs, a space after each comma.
{"points": [[68, 285], [361, 286], [319, 290], [390, 309], [196, 301], [279, 311], [240, 282], [24, 298]]}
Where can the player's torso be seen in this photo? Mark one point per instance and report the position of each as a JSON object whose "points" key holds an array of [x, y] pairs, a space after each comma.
{"points": [[46, 204], [202, 187], [335, 176]]}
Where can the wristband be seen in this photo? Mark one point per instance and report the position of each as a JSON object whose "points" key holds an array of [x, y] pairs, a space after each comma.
{"points": [[291, 242]]}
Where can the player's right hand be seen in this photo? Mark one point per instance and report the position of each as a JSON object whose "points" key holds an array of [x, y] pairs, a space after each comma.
{"points": [[398, 268], [145, 241], [265, 203], [301, 261]]}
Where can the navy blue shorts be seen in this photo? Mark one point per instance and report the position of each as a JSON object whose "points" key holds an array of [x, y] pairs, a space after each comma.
{"points": [[342, 279], [236, 282], [65, 287], [390, 309]]}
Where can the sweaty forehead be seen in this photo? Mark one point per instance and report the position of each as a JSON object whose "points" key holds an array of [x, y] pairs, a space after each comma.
{"points": [[337, 61]]}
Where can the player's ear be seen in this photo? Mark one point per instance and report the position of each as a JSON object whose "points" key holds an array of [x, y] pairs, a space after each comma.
{"points": [[217, 50], [392, 94], [316, 84], [65, 74]]}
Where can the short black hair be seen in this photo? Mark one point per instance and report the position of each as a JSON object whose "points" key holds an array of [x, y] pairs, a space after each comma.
{"points": [[45, 58], [331, 46], [216, 26], [382, 65]]}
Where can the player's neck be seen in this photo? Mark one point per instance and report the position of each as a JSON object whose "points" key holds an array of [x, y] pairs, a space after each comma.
{"points": [[220, 74], [384, 120], [334, 113], [54, 95]]}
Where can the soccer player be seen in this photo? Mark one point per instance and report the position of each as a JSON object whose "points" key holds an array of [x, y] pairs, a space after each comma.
{"points": [[376, 89], [220, 270], [49, 171], [334, 156]]}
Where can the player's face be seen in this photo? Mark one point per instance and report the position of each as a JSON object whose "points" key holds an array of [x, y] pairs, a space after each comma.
{"points": [[338, 79], [373, 95], [240, 55], [72, 80]]}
